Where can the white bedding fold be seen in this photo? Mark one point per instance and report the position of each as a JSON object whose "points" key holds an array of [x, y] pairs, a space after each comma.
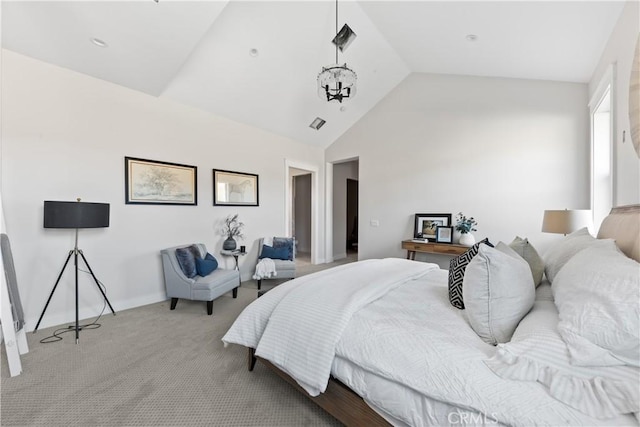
{"points": [[316, 311], [316, 316]]}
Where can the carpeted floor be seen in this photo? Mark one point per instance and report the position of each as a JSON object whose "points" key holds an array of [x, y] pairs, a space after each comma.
{"points": [[150, 366]]}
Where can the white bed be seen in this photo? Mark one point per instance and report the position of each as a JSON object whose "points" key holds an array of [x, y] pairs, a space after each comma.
{"points": [[403, 348]]}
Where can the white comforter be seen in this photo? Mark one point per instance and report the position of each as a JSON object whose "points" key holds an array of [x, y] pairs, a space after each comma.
{"points": [[315, 312], [413, 336]]}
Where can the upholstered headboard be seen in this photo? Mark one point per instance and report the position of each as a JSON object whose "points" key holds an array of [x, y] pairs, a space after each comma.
{"points": [[623, 225]]}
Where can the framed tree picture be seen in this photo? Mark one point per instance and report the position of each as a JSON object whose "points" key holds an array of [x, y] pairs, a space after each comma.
{"points": [[234, 188], [152, 182]]}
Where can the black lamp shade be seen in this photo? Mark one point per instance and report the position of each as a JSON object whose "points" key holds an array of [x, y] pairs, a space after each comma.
{"points": [[75, 215]]}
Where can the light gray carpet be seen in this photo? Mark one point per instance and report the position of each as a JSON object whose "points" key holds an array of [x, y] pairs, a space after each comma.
{"points": [[150, 366]]}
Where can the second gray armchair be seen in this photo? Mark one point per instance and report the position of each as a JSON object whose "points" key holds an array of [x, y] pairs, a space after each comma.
{"points": [[283, 250]]}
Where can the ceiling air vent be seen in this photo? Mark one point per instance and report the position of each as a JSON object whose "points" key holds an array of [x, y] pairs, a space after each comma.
{"points": [[317, 123]]}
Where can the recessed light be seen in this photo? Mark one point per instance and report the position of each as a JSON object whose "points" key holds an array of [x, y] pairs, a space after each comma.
{"points": [[471, 37], [317, 123], [98, 42], [253, 52]]}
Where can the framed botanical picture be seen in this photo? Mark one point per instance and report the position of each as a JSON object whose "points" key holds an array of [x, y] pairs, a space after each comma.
{"points": [[151, 182], [427, 223], [234, 188], [444, 234]]}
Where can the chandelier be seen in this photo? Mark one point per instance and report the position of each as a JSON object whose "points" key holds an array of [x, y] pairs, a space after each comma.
{"points": [[337, 82]]}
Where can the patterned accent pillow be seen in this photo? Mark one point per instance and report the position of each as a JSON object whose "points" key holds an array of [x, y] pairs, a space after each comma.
{"points": [[457, 267]]}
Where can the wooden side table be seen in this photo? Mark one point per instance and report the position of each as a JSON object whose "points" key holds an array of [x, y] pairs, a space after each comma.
{"points": [[413, 246]]}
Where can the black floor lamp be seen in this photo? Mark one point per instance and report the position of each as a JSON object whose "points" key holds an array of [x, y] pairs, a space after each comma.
{"points": [[75, 215]]}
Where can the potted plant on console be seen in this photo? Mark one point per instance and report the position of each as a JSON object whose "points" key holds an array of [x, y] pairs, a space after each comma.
{"points": [[465, 226], [232, 228]]}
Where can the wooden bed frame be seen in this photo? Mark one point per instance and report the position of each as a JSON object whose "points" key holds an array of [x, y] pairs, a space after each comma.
{"points": [[338, 400], [622, 224]]}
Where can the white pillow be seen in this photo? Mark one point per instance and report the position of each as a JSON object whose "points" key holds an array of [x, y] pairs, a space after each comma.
{"points": [[563, 250], [598, 297], [537, 353], [498, 291], [529, 253]]}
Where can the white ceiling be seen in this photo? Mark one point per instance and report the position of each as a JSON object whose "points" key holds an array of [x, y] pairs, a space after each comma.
{"points": [[197, 52]]}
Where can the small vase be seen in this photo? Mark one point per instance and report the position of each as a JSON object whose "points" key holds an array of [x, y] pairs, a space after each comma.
{"points": [[456, 236], [229, 244], [467, 239]]}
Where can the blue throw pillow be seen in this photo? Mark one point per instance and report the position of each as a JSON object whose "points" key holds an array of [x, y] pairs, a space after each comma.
{"points": [[284, 242], [206, 266], [274, 253], [187, 261]]}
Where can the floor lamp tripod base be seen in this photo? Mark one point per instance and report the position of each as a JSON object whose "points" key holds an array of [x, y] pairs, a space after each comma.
{"points": [[75, 252]]}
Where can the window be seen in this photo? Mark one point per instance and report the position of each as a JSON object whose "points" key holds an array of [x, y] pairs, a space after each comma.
{"points": [[602, 131]]}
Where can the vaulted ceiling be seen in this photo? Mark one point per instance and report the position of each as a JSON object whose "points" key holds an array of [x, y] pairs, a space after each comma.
{"points": [[256, 62]]}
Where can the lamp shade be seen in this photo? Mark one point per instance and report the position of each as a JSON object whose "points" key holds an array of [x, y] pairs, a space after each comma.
{"points": [[565, 221], [75, 215]]}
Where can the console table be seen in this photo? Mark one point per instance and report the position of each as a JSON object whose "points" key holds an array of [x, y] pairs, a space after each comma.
{"points": [[413, 246]]}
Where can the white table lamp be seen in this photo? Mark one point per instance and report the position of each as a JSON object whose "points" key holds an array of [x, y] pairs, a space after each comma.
{"points": [[566, 221]]}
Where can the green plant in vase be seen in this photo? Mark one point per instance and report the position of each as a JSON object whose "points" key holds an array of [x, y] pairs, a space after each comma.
{"points": [[465, 225]]}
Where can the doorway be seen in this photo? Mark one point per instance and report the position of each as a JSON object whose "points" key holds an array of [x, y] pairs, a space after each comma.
{"points": [[344, 212], [352, 217], [301, 205], [301, 214]]}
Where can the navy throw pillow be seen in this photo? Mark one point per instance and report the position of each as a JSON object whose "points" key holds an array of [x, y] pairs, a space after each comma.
{"points": [[284, 242], [274, 253], [187, 261], [206, 266]]}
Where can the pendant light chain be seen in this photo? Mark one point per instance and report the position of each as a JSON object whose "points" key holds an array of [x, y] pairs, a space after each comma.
{"points": [[336, 30]]}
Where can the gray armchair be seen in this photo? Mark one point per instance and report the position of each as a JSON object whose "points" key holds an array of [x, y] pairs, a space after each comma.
{"points": [[207, 288], [285, 269]]}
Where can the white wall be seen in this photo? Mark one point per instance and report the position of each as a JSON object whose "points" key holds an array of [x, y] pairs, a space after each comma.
{"points": [[619, 51], [501, 150], [65, 135], [341, 172]]}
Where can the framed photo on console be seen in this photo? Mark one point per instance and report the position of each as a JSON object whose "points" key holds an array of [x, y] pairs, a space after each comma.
{"points": [[427, 224], [444, 234]]}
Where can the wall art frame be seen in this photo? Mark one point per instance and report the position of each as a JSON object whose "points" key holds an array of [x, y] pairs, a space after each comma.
{"points": [[232, 188], [154, 182], [426, 224]]}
